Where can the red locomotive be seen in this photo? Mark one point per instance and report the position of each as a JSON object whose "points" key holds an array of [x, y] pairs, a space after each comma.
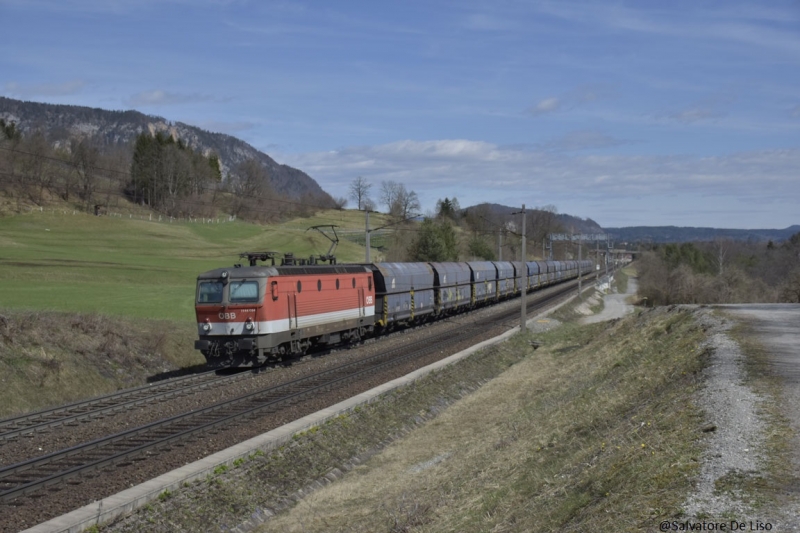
{"points": [[248, 314]]}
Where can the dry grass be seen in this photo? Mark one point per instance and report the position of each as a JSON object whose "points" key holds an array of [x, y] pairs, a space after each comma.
{"points": [[594, 431], [569, 312], [50, 358]]}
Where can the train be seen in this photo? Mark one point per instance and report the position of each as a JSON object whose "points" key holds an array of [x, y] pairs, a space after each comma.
{"points": [[250, 315]]}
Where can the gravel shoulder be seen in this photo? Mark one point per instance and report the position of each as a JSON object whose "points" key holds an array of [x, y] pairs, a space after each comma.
{"points": [[743, 475]]}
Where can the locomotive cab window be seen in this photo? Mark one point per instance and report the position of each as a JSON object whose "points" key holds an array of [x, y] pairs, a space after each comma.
{"points": [[244, 291], [209, 292]]}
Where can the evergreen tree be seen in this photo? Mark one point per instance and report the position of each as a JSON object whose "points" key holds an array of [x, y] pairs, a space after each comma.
{"points": [[164, 171], [479, 248], [436, 241]]}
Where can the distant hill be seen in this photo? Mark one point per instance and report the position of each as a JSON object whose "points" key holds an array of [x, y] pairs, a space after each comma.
{"points": [[120, 128], [633, 234], [566, 222], [692, 234]]}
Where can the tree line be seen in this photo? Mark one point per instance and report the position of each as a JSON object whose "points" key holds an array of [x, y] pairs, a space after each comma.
{"points": [[451, 233], [721, 271]]}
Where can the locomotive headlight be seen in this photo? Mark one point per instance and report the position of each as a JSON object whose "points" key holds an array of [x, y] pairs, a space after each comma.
{"points": [[224, 274], [249, 325], [207, 326]]}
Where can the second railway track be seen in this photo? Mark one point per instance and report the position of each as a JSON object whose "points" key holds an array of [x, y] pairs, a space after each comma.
{"points": [[14, 427]]}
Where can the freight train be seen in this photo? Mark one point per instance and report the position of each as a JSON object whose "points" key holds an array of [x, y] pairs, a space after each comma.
{"points": [[249, 315]]}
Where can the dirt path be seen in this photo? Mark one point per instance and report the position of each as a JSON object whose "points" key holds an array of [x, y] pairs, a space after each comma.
{"points": [[614, 305]]}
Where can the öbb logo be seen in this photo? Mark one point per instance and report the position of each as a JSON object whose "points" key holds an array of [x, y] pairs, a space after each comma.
{"points": [[227, 316]]}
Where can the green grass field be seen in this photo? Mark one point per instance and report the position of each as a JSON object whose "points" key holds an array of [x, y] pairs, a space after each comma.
{"points": [[82, 263]]}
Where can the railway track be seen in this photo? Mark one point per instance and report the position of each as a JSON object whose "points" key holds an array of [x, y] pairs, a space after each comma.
{"points": [[75, 413], [31, 478]]}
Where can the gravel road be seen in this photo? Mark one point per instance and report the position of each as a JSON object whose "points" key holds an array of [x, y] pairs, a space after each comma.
{"points": [[735, 428], [614, 305]]}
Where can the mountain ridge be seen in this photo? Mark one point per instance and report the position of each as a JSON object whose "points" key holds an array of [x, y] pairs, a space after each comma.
{"points": [[120, 128], [663, 234]]}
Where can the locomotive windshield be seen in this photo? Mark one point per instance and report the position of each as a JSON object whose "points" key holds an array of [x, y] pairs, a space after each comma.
{"points": [[243, 291], [209, 292]]}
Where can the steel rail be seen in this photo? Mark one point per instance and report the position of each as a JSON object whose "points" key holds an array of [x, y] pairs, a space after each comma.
{"points": [[103, 405]]}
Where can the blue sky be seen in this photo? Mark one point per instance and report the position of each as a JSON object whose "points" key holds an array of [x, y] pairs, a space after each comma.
{"points": [[632, 113]]}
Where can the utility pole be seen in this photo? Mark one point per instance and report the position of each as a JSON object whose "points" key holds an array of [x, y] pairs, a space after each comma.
{"points": [[366, 240], [580, 278], [596, 256], [500, 245], [523, 319]]}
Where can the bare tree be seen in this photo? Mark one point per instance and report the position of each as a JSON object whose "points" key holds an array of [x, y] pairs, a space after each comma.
{"points": [[406, 203], [721, 249], [399, 201], [389, 192], [10, 139], [250, 179], [790, 291], [359, 191], [542, 221], [36, 168], [249, 182], [85, 157]]}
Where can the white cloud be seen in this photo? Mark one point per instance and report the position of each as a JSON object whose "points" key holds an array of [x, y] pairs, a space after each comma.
{"points": [[584, 140], [580, 95], [158, 97], [476, 171], [548, 105], [43, 89], [751, 26], [694, 114]]}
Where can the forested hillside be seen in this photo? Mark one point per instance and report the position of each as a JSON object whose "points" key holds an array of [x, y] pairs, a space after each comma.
{"points": [[722, 271], [108, 131], [94, 160]]}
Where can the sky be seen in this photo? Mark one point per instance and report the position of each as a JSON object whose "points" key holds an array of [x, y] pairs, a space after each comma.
{"points": [[637, 113]]}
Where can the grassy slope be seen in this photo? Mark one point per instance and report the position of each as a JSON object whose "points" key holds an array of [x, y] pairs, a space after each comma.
{"points": [[51, 358], [134, 267], [593, 432]]}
